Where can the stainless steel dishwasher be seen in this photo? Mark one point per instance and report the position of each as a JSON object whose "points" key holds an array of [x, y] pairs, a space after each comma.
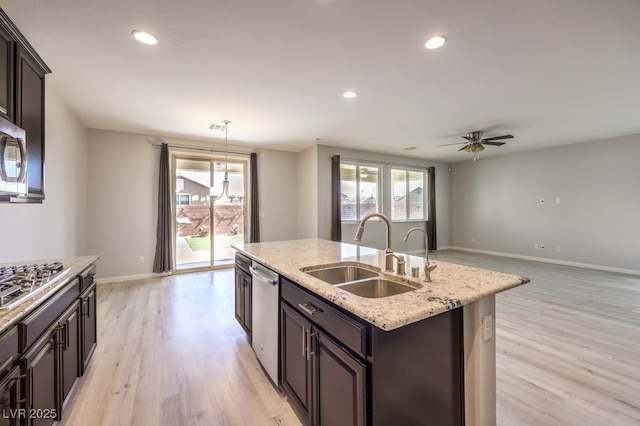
{"points": [[265, 299]]}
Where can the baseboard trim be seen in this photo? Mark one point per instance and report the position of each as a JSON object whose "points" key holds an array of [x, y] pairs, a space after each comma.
{"points": [[547, 260], [109, 280]]}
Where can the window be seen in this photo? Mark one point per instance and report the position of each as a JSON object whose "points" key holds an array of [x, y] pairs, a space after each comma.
{"points": [[179, 184], [360, 186], [183, 199], [409, 199]]}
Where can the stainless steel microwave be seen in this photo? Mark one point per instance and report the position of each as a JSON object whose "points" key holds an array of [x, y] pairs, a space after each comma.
{"points": [[13, 160]]}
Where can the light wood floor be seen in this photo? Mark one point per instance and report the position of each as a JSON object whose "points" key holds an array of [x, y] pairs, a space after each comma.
{"points": [[170, 352]]}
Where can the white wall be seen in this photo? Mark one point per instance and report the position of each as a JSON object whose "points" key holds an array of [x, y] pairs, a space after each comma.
{"points": [[375, 237], [57, 227], [308, 193], [496, 201], [277, 173], [124, 194]]}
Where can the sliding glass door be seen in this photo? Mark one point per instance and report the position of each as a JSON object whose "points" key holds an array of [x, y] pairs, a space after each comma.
{"points": [[210, 210]]}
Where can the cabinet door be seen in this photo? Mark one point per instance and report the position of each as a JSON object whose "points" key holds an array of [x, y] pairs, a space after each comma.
{"points": [[69, 350], [246, 295], [340, 384], [88, 327], [6, 74], [296, 367], [41, 372], [10, 397], [30, 117], [239, 297]]}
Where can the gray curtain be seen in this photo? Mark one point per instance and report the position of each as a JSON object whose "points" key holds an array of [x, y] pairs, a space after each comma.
{"points": [[164, 258], [254, 210], [431, 223], [336, 199]]}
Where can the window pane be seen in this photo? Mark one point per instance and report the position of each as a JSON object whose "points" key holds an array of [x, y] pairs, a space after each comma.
{"points": [[398, 194], [348, 190], [368, 190], [416, 195]]}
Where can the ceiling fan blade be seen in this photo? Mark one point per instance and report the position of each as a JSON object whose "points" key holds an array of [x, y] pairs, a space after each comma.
{"points": [[493, 143], [496, 138], [463, 148], [469, 138], [457, 143]]}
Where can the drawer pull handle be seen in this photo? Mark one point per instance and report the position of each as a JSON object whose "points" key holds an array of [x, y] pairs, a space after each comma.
{"points": [[6, 363], [309, 308]]}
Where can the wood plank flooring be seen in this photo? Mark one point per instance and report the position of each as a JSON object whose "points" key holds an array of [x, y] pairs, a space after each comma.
{"points": [[171, 353]]}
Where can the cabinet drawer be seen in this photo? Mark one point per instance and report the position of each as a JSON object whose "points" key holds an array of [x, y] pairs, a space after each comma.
{"points": [[346, 330], [42, 318], [243, 262]]}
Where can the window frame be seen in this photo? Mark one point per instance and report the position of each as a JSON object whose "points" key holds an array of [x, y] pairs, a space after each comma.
{"points": [[379, 202], [425, 189]]}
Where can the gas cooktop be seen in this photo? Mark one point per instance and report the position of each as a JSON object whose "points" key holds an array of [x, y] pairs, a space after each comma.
{"points": [[19, 283]]}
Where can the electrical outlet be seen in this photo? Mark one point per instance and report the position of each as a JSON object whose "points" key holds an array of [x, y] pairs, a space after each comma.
{"points": [[535, 246], [487, 327], [141, 259], [473, 239], [557, 200], [558, 248]]}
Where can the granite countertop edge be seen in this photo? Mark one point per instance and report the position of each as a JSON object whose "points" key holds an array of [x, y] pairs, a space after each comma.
{"points": [[452, 285], [10, 317]]}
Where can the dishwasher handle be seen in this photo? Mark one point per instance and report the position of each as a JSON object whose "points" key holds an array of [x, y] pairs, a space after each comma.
{"points": [[258, 275]]}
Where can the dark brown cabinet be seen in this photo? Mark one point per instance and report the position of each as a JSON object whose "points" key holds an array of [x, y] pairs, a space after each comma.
{"points": [[51, 350], [326, 383], [69, 350], [295, 367], [30, 117], [243, 293], [41, 370], [10, 398], [22, 94], [88, 326], [7, 46], [339, 370], [88, 319]]}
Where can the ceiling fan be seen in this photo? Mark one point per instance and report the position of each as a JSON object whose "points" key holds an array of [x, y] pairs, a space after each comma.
{"points": [[475, 143]]}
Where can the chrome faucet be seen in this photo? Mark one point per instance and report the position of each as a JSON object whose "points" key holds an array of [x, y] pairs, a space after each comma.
{"points": [[427, 266], [388, 258]]}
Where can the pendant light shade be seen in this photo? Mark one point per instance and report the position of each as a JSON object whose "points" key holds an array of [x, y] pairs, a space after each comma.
{"points": [[224, 198]]}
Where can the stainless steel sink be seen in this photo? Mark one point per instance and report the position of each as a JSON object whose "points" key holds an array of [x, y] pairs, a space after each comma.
{"points": [[339, 274], [376, 287]]}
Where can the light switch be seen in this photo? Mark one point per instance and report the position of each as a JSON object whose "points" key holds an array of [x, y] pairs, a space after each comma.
{"points": [[487, 327]]}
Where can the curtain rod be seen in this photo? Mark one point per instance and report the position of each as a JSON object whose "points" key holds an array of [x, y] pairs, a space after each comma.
{"points": [[196, 148], [380, 163]]}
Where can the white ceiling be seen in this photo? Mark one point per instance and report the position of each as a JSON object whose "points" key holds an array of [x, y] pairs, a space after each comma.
{"points": [[549, 72]]}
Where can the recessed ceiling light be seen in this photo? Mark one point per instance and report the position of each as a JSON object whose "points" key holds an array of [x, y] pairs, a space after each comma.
{"points": [[349, 94], [144, 37], [435, 42]]}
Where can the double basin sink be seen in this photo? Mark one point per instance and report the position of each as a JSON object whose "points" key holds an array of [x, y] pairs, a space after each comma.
{"points": [[359, 279]]}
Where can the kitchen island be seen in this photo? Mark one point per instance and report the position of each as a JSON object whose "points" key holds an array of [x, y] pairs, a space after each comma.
{"points": [[426, 356]]}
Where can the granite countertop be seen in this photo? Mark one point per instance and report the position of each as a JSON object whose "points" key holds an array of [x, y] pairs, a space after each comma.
{"points": [[9, 317], [452, 285]]}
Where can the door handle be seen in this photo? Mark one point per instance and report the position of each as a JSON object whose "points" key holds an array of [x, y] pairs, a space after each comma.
{"points": [[258, 275]]}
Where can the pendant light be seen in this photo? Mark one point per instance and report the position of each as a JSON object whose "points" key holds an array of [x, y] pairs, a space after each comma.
{"points": [[224, 198]]}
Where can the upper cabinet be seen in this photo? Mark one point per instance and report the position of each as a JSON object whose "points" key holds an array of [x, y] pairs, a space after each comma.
{"points": [[22, 77], [7, 47]]}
